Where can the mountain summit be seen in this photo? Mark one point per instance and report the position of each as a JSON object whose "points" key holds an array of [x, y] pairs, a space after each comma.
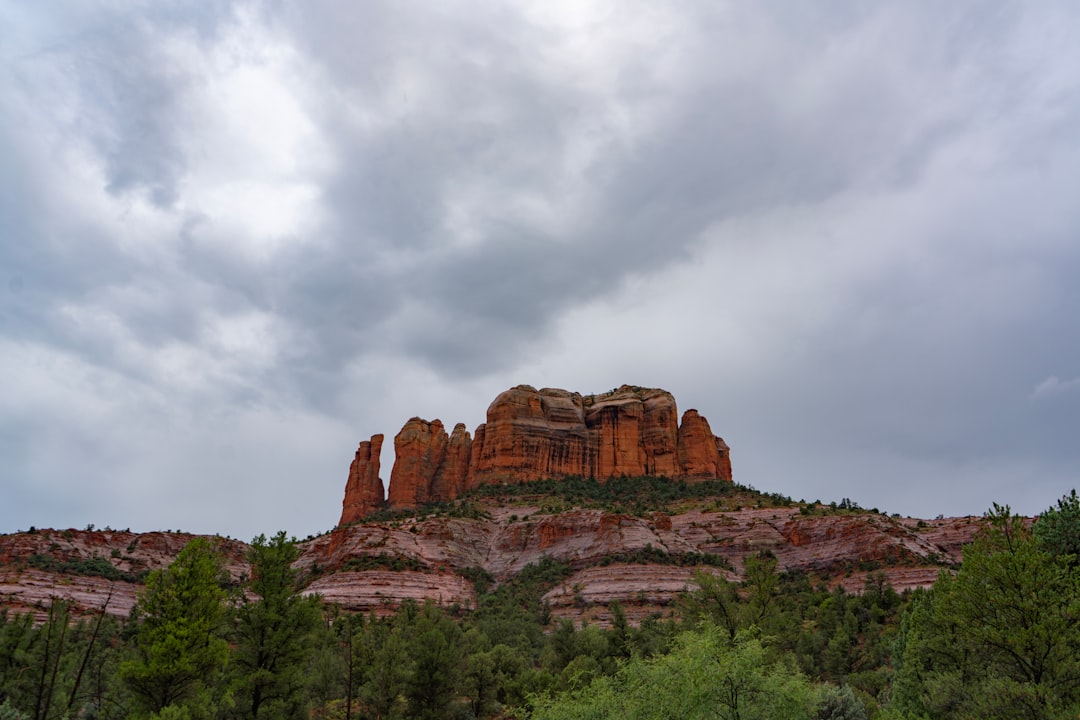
{"points": [[534, 434]]}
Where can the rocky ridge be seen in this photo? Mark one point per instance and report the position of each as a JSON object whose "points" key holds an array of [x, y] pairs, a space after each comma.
{"points": [[641, 561], [532, 434], [633, 501], [601, 548], [92, 569]]}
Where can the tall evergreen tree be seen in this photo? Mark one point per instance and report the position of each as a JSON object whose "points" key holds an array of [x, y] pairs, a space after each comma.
{"points": [[1058, 529], [385, 668], [435, 648], [1001, 639], [179, 644], [273, 633]]}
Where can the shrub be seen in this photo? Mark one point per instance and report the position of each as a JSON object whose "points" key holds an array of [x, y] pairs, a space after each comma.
{"points": [[383, 561], [8, 712]]}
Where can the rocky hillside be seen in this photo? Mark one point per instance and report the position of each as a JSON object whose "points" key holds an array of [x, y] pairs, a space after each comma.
{"points": [[627, 499], [532, 434], [93, 569], [637, 541]]}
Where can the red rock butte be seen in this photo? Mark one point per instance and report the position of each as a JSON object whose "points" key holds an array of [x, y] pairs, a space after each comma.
{"points": [[535, 434]]}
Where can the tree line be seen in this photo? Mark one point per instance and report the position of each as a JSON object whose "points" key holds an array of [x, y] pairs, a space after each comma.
{"points": [[998, 638]]}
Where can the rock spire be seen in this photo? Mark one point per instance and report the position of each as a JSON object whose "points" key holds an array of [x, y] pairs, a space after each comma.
{"points": [[533, 434]]}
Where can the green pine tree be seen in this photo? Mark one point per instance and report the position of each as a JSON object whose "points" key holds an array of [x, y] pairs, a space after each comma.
{"points": [[273, 633], [180, 643]]}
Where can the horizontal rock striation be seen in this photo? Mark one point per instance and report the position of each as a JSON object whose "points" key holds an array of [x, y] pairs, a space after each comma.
{"points": [[383, 591], [600, 547], [374, 567], [93, 570], [534, 434]]}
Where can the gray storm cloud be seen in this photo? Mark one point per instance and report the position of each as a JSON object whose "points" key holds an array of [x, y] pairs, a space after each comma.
{"points": [[237, 237]]}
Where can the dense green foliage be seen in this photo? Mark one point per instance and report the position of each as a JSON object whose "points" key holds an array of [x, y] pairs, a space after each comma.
{"points": [[179, 642], [640, 496], [650, 555], [272, 634], [1000, 638], [633, 495], [1058, 529], [707, 674], [94, 567]]}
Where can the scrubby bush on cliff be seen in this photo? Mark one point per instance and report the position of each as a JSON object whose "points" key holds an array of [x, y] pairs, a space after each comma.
{"points": [[93, 567], [635, 495]]}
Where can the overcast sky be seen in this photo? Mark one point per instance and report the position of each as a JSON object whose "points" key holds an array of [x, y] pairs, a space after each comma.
{"points": [[237, 238]]}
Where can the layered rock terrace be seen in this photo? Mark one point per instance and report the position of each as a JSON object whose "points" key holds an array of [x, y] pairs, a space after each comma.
{"points": [[533, 434], [434, 553]]}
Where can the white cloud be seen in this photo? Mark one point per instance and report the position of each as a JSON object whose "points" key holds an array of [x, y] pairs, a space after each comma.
{"points": [[1053, 387]]}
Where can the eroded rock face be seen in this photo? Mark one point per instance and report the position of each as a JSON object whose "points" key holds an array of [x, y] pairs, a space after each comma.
{"points": [[591, 541], [598, 545], [641, 590], [419, 450], [534, 434], [383, 591], [452, 474], [530, 435], [702, 454], [31, 587], [430, 465], [364, 490]]}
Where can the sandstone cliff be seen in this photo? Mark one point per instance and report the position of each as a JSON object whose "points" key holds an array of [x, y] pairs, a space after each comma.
{"points": [[39, 567], [94, 570], [599, 545], [364, 489], [532, 434]]}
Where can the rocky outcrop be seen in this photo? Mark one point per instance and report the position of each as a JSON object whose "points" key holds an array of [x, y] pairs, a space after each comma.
{"points": [[436, 554], [364, 489], [601, 547], [529, 435], [452, 476], [535, 434], [418, 453], [93, 570], [383, 591], [429, 465], [701, 454]]}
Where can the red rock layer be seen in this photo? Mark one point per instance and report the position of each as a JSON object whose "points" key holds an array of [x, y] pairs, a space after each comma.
{"points": [[364, 490], [509, 538], [419, 450], [452, 474], [701, 454], [26, 589], [530, 435], [534, 434], [512, 537]]}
